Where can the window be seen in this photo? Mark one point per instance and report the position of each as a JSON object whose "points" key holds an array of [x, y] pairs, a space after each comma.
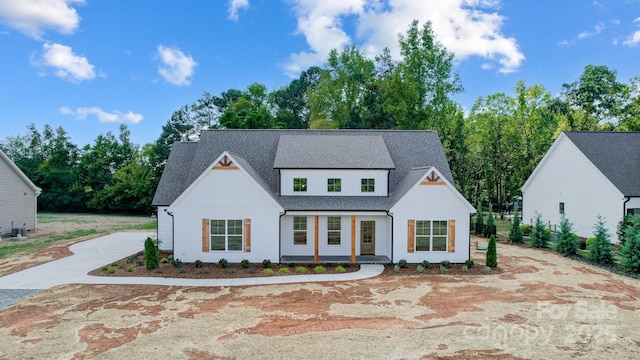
{"points": [[300, 184], [431, 235], [226, 235], [334, 185], [368, 185], [299, 230], [561, 208], [334, 224]]}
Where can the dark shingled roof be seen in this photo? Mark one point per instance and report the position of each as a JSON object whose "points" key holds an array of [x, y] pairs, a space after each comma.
{"points": [[615, 154], [327, 152], [257, 148]]}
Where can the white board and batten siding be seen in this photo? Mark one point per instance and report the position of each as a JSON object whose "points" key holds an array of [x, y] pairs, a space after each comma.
{"points": [[226, 195], [566, 175], [382, 235], [350, 181], [165, 229], [18, 198]]}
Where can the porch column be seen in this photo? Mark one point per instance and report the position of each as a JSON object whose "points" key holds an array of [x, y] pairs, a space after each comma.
{"points": [[315, 241], [353, 239]]}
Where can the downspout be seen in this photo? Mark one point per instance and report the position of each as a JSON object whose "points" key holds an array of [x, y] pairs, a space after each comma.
{"points": [[392, 220], [280, 236], [624, 206], [173, 231]]}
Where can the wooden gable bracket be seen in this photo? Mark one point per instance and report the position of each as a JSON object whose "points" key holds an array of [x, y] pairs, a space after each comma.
{"points": [[225, 164], [432, 179]]}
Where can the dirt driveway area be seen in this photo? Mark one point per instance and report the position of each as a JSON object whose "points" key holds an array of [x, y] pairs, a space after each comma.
{"points": [[541, 306]]}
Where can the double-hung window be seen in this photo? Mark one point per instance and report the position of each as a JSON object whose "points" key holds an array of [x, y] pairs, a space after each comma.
{"points": [[334, 185], [368, 185], [431, 235], [334, 227], [300, 185], [299, 230], [226, 235]]}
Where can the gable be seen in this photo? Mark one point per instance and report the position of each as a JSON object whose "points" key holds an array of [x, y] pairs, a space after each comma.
{"points": [[12, 168]]}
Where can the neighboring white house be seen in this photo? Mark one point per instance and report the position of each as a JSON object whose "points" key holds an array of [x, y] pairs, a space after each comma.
{"points": [[18, 198], [583, 175], [312, 195]]}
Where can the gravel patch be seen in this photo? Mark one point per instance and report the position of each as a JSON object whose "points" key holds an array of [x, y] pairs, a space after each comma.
{"points": [[8, 297]]}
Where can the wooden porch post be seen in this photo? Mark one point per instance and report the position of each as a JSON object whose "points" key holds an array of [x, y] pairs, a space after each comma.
{"points": [[315, 240], [353, 239]]}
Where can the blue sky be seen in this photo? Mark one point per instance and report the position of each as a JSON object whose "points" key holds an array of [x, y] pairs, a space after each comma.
{"points": [[90, 65]]}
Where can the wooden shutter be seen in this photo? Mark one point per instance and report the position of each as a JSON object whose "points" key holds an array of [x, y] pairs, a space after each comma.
{"points": [[452, 235], [411, 236], [247, 234], [206, 231]]}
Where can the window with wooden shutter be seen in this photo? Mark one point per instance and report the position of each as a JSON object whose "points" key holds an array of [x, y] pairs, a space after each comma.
{"points": [[452, 235], [205, 235], [247, 235], [411, 233]]}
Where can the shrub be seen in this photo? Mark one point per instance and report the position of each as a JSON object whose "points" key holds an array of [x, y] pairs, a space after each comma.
{"points": [[492, 253], [284, 270], [228, 271], [469, 263], [251, 271], [420, 269], [111, 271], [539, 236], [600, 248], [629, 223], [630, 251], [487, 269], [223, 263], [158, 271], [515, 234], [131, 259], [526, 229], [291, 265], [490, 227], [319, 269], [121, 266], [479, 222], [426, 264], [139, 262], [150, 254], [445, 263], [403, 263], [204, 271], [114, 264], [266, 263], [396, 269], [340, 269], [104, 268], [176, 263], [268, 271], [129, 269], [301, 269], [164, 260], [245, 263], [443, 269], [170, 257], [198, 263], [465, 268], [182, 270], [566, 240]]}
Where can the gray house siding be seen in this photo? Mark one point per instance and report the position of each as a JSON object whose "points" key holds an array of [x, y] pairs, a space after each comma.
{"points": [[18, 198]]}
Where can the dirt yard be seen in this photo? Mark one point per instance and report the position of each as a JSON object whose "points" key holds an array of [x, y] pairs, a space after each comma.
{"points": [[540, 306]]}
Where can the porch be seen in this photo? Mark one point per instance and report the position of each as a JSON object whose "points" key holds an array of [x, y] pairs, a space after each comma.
{"points": [[334, 259]]}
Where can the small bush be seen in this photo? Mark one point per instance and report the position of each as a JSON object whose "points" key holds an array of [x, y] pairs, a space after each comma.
{"points": [[228, 271], [198, 263], [284, 270], [268, 272], [566, 240], [515, 234], [420, 269], [129, 269], [131, 259], [443, 269], [346, 265], [396, 269], [426, 264], [319, 269], [114, 264], [139, 262], [170, 257], [526, 229], [111, 271], [487, 269], [589, 241], [301, 269], [266, 263], [311, 265], [121, 266], [539, 235], [492, 253], [403, 263], [204, 271], [445, 263], [158, 271], [150, 254], [469, 263], [164, 260], [245, 263], [176, 263], [465, 268], [104, 268], [340, 269], [182, 270], [291, 265], [630, 251], [600, 248], [223, 263], [251, 271]]}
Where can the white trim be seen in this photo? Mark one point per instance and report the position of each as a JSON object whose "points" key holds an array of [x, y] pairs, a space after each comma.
{"points": [[472, 209]]}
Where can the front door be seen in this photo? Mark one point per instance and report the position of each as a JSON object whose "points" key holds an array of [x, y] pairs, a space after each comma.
{"points": [[367, 238]]}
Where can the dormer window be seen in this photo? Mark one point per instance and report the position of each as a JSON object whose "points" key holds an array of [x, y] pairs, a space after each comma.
{"points": [[368, 185], [334, 185], [300, 185]]}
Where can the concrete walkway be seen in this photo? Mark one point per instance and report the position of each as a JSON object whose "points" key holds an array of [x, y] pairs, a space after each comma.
{"points": [[92, 254]]}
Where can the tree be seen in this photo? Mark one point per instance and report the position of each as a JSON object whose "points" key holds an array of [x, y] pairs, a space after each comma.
{"points": [[539, 235], [628, 223], [490, 227], [492, 253], [515, 234], [479, 222], [566, 240], [250, 111], [630, 250], [291, 101], [600, 248], [150, 254]]}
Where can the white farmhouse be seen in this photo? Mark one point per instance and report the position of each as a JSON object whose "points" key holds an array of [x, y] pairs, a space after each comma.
{"points": [[312, 196], [18, 199], [583, 175]]}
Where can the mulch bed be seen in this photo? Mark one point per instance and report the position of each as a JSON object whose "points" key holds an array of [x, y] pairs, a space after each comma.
{"points": [[434, 269]]}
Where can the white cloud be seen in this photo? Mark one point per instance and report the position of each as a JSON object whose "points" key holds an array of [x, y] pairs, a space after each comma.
{"points": [[465, 27], [67, 65], [32, 17], [633, 39], [102, 116], [596, 30], [235, 6], [176, 67]]}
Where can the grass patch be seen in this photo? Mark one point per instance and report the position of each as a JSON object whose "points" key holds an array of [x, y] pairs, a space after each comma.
{"points": [[9, 250], [151, 225]]}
